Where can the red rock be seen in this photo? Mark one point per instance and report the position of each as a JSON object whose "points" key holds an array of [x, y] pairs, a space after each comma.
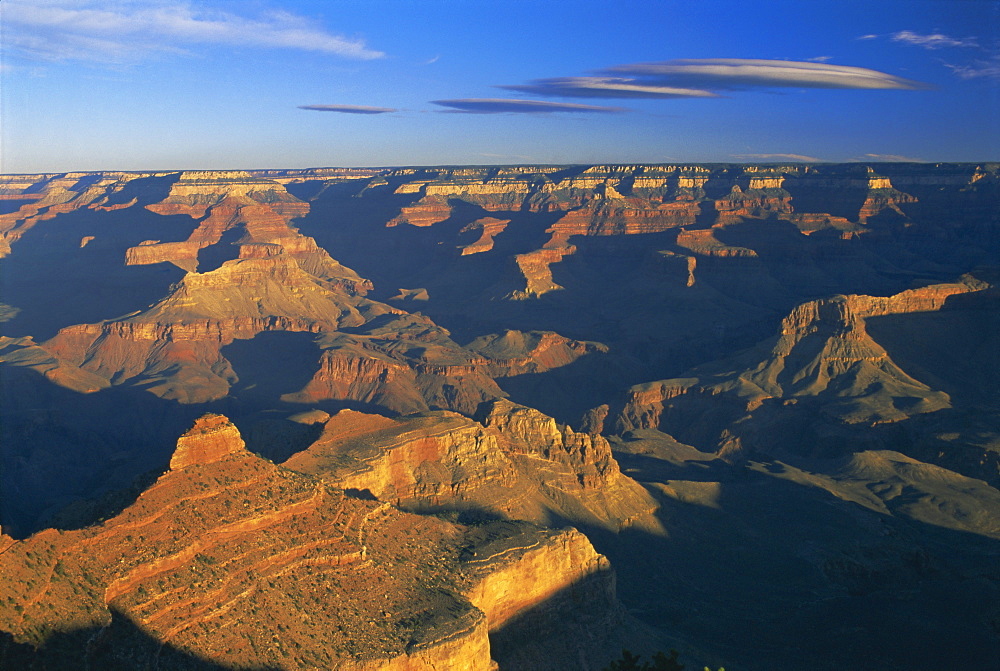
{"points": [[211, 439]]}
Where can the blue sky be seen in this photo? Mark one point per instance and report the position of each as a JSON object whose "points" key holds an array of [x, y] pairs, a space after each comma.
{"points": [[217, 84]]}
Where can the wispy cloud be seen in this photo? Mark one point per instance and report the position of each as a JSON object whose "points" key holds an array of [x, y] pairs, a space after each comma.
{"points": [[124, 31], [740, 73], [985, 69], [932, 41], [349, 109], [503, 106], [888, 158], [522, 157], [798, 158], [819, 59], [604, 87]]}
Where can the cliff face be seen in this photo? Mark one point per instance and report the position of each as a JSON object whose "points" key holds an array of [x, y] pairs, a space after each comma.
{"points": [[202, 561], [515, 463], [615, 200]]}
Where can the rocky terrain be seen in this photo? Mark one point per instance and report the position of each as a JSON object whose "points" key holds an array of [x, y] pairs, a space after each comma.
{"points": [[236, 562], [768, 394]]}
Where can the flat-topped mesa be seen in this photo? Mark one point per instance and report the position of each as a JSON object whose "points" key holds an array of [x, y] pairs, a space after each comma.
{"points": [[193, 193], [488, 228], [212, 438]]}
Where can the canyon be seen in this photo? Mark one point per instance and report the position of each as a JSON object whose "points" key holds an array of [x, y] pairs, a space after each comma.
{"points": [[526, 416]]}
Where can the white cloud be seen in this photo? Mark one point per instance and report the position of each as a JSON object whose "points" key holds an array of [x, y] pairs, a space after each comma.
{"points": [[129, 30], [988, 69], [932, 41], [741, 73], [888, 158]]}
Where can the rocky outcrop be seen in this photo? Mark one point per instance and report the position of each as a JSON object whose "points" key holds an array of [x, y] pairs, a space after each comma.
{"points": [[212, 438], [227, 547], [517, 464], [422, 461], [518, 353], [538, 435], [511, 576], [536, 273], [487, 228], [549, 598], [703, 242], [406, 364]]}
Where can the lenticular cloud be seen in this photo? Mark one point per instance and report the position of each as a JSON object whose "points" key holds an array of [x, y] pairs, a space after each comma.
{"points": [[349, 109], [741, 73], [504, 106], [605, 87], [705, 78]]}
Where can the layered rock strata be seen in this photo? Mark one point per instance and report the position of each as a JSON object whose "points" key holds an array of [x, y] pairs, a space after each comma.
{"points": [[517, 463], [232, 560]]}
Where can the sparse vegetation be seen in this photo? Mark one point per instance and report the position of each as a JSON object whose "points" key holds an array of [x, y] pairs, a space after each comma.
{"points": [[633, 662]]}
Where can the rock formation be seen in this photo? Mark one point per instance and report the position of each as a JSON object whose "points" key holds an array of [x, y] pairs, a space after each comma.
{"points": [[822, 364], [232, 560], [516, 464], [212, 438]]}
